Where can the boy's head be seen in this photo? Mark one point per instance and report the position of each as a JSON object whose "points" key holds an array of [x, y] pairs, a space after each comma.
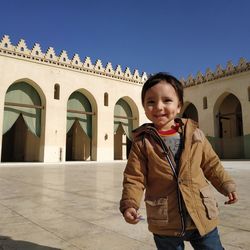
{"points": [[162, 99], [163, 77]]}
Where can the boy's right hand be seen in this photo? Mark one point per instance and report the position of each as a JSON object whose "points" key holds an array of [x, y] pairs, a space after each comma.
{"points": [[131, 216]]}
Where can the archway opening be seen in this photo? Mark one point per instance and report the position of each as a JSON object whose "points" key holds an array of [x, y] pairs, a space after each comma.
{"points": [[22, 124], [78, 143], [229, 128], [79, 128], [191, 112], [123, 125]]}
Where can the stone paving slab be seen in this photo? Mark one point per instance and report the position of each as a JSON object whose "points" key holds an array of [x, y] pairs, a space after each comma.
{"points": [[74, 206]]}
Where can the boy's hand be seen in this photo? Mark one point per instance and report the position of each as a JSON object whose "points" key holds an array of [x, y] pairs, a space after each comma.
{"points": [[232, 198], [131, 216]]}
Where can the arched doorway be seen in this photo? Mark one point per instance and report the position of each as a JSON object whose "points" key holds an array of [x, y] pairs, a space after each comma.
{"points": [[191, 112], [22, 124], [79, 128], [229, 128], [123, 125]]}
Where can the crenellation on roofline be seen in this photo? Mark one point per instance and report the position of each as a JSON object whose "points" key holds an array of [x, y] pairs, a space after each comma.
{"points": [[219, 72], [62, 60]]}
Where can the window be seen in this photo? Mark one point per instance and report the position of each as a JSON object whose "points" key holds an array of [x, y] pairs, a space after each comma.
{"points": [[57, 91], [106, 99], [204, 102], [249, 94]]}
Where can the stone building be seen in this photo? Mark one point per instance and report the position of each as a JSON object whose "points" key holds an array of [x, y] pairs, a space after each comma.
{"points": [[56, 109], [220, 102]]}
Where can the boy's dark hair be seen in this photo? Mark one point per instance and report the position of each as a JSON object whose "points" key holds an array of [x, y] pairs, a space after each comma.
{"points": [[161, 76]]}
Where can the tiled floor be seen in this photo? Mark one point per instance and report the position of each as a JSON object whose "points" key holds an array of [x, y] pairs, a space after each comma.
{"points": [[75, 206]]}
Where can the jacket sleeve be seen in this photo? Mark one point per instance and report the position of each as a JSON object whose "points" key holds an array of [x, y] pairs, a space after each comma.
{"points": [[134, 179], [214, 171]]}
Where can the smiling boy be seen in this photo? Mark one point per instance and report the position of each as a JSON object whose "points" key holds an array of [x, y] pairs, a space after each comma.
{"points": [[173, 162]]}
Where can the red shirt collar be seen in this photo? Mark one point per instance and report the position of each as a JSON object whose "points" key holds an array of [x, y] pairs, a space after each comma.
{"points": [[171, 131]]}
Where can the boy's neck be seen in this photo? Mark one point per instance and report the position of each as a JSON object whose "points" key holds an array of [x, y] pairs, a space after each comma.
{"points": [[174, 128]]}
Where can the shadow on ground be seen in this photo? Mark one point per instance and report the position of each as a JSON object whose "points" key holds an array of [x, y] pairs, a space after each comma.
{"points": [[6, 243]]}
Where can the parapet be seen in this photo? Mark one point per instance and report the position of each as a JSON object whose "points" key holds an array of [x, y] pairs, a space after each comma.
{"points": [[62, 60], [75, 63], [219, 72]]}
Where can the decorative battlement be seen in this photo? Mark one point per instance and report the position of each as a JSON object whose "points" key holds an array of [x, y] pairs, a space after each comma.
{"points": [[230, 69], [50, 57]]}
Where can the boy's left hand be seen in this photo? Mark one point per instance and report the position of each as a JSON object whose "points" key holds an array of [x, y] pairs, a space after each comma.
{"points": [[232, 198]]}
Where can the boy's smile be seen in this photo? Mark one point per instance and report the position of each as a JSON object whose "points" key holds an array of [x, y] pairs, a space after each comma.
{"points": [[161, 105]]}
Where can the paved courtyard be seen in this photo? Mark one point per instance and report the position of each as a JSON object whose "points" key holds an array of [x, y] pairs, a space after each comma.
{"points": [[75, 206]]}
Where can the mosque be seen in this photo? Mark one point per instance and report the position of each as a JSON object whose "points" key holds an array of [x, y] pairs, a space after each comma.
{"points": [[56, 109]]}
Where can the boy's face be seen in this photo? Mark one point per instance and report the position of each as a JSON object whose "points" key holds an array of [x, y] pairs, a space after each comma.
{"points": [[161, 105]]}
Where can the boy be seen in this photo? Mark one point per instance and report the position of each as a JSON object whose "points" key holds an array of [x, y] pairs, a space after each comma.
{"points": [[173, 161]]}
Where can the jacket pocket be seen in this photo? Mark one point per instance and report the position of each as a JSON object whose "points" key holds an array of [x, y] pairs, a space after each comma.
{"points": [[157, 211], [209, 202]]}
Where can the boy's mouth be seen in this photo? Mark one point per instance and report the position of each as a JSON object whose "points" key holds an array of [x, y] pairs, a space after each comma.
{"points": [[159, 116]]}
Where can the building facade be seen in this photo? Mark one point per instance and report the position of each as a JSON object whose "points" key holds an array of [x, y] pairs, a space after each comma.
{"points": [[220, 102], [56, 109]]}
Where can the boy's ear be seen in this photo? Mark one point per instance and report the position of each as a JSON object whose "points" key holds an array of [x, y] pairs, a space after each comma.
{"points": [[179, 107]]}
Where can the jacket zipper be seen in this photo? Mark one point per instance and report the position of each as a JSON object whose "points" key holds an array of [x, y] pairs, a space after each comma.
{"points": [[179, 199], [166, 151]]}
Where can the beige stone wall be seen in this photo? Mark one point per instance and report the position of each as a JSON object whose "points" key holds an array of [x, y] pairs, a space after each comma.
{"points": [[93, 84], [233, 80], [236, 84], [44, 70]]}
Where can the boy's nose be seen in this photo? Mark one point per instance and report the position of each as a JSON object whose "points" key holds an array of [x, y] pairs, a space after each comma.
{"points": [[159, 106]]}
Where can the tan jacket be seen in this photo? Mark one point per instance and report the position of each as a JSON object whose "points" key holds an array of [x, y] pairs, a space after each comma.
{"points": [[148, 168]]}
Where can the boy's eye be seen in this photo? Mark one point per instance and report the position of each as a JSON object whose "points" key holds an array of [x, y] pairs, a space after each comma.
{"points": [[150, 102], [167, 100]]}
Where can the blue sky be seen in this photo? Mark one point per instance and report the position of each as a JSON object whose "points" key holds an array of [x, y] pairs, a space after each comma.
{"points": [[177, 36]]}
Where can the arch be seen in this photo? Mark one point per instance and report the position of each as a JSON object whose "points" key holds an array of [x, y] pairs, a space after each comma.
{"points": [[126, 116], [134, 109], [229, 126], [190, 111], [81, 121], [23, 122]]}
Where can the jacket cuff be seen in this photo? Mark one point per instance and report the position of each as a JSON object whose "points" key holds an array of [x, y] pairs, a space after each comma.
{"points": [[127, 204], [228, 187]]}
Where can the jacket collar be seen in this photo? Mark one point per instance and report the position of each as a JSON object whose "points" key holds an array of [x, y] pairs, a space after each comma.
{"points": [[186, 125]]}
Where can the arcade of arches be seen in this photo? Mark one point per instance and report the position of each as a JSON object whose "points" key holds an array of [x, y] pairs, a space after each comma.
{"points": [[21, 140], [229, 138], [22, 137], [53, 111]]}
